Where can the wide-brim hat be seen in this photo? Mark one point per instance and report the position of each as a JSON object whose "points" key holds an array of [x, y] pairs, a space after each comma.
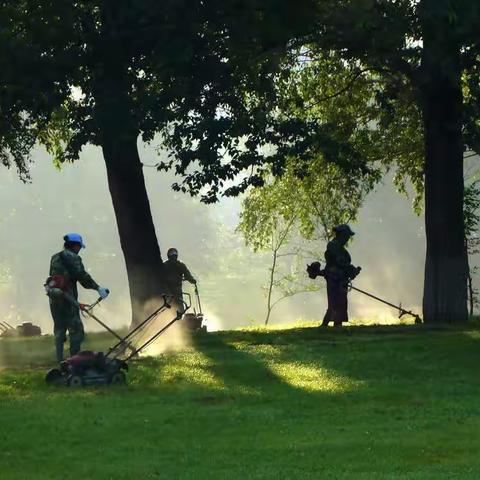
{"points": [[344, 228]]}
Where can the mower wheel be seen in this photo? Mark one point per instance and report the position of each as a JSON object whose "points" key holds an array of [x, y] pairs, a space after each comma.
{"points": [[54, 376], [118, 378], [74, 381]]}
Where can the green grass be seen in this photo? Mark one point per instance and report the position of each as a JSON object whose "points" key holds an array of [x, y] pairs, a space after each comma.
{"points": [[362, 403]]}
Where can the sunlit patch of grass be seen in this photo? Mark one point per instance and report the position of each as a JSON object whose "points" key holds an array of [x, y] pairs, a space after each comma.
{"points": [[473, 334], [279, 326], [313, 378], [354, 322], [20, 383], [192, 368], [261, 350], [7, 389]]}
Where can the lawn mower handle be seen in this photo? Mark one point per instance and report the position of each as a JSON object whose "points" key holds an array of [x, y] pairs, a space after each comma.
{"points": [[198, 300], [177, 317], [134, 331], [89, 307], [185, 304]]}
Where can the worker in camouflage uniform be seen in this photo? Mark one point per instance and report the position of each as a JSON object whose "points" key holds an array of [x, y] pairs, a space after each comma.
{"points": [[175, 273], [66, 315], [338, 272]]}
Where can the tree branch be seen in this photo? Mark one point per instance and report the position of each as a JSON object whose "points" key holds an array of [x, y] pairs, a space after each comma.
{"points": [[354, 78]]}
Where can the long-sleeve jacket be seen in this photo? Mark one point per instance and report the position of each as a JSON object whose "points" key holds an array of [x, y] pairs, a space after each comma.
{"points": [[175, 273], [338, 261], [70, 265]]}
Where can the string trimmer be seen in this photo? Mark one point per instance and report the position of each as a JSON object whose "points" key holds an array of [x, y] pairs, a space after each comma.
{"points": [[314, 270]]}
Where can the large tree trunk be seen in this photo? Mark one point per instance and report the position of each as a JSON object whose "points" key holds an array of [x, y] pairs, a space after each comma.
{"points": [[118, 132], [135, 225], [446, 266], [118, 138]]}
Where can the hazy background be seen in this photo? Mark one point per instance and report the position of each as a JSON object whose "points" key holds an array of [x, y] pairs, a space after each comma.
{"points": [[389, 245]]}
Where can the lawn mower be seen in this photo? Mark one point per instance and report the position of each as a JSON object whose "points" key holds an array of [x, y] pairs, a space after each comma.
{"points": [[195, 321], [314, 270], [98, 368], [25, 329], [6, 330]]}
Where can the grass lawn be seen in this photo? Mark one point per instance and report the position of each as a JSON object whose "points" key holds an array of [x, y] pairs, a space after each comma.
{"points": [[362, 403]]}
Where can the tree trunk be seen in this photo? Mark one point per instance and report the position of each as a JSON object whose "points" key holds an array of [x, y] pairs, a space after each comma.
{"points": [[470, 294], [446, 266], [117, 133], [270, 285], [135, 225]]}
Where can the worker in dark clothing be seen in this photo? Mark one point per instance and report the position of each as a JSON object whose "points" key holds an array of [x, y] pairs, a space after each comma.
{"points": [[338, 272], [66, 315], [175, 273]]}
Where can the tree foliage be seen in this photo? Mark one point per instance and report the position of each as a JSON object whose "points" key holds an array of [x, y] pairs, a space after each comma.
{"points": [[268, 222], [264, 100], [472, 241], [29, 87]]}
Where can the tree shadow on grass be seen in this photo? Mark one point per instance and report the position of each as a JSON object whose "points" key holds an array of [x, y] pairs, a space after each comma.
{"points": [[403, 361], [307, 362], [255, 367]]}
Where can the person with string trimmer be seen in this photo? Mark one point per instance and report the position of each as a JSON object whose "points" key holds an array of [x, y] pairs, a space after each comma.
{"points": [[66, 267], [338, 272]]}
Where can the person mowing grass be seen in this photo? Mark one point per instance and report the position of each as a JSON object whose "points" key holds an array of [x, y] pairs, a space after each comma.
{"points": [[67, 265], [175, 273]]}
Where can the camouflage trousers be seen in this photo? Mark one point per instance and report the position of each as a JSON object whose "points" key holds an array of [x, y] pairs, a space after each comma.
{"points": [[66, 318]]}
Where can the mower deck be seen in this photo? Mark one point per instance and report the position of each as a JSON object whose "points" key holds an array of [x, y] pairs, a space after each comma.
{"points": [[88, 368]]}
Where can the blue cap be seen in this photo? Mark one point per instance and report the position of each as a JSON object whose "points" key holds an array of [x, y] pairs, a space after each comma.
{"points": [[74, 237]]}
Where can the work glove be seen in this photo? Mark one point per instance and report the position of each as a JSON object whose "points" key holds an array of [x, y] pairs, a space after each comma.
{"points": [[103, 292]]}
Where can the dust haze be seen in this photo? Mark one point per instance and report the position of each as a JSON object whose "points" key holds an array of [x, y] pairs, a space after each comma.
{"points": [[389, 245]]}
